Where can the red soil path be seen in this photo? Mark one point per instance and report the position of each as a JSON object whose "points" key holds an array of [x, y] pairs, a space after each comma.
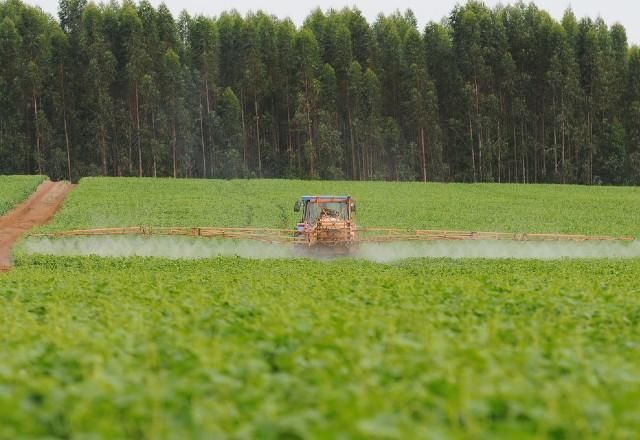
{"points": [[35, 211]]}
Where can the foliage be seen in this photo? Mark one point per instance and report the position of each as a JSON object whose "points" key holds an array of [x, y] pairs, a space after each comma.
{"points": [[122, 348], [14, 189], [503, 94], [113, 202]]}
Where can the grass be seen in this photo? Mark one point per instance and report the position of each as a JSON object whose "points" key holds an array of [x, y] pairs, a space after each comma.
{"points": [[114, 348], [114, 202], [15, 189]]}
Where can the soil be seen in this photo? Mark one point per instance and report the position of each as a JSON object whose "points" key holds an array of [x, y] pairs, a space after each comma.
{"points": [[35, 211]]}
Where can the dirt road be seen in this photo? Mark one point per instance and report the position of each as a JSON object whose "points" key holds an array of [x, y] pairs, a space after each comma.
{"points": [[35, 211]]}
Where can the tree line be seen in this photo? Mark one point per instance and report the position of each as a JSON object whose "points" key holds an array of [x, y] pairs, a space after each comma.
{"points": [[504, 94]]}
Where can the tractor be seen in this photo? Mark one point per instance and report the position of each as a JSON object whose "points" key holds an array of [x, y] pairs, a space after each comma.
{"points": [[327, 221]]}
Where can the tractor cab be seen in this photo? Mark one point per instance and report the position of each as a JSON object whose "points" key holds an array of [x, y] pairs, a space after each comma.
{"points": [[315, 209]]}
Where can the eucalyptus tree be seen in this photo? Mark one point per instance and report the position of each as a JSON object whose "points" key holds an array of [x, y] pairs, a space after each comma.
{"points": [[502, 94]]}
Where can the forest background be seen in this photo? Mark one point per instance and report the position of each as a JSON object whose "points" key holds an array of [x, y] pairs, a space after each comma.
{"points": [[505, 94]]}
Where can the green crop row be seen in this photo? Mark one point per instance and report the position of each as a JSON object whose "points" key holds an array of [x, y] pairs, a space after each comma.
{"points": [[115, 202], [14, 189], [233, 348]]}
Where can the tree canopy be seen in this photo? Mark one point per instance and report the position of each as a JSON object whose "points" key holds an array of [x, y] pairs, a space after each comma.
{"points": [[504, 94]]}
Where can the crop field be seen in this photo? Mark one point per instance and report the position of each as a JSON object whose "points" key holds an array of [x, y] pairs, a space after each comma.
{"points": [[14, 189], [230, 347], [151, 348], [115, 202]]}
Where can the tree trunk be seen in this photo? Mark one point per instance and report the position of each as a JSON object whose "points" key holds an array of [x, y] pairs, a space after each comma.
{"points": [[289, 138], [202, 144], [207, 100], [424, 155], [212, 156], [204, 158], [154, 152], [480, 135], [37, 130], [515, 153], [310, 134], [544, 144], [174, 147], [353, 146], [299, 142], [103, 148], [117, 171], [564, 170], [499, 153], [138, 132], [309, 128], [362, 156], [479, 119], [473, 153], [244, 133], [555, 137], [590, 148], [206, 88], [64, 119], [255, 106], [535, 158], [524, 152], [130, 146]]}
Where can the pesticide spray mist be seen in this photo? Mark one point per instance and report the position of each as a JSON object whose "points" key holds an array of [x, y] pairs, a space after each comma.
{"points": [[193, 248]]}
